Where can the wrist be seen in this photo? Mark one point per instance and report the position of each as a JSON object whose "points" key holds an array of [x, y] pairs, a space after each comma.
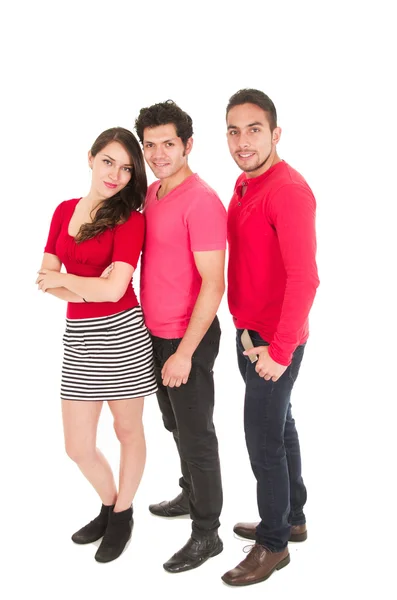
{"points": [[65, 278], [183, 352], [61, 280]]}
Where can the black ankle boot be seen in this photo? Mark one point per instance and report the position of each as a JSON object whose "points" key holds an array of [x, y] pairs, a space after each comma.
{"points": [[117, 534], [95, 529]]}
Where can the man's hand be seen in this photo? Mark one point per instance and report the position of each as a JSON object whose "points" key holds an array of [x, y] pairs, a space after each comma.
{"points": [[176, 370], [266, 367], [48, 279]]}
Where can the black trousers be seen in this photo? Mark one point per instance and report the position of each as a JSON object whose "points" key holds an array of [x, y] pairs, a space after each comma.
{"points": [[188, 414]]}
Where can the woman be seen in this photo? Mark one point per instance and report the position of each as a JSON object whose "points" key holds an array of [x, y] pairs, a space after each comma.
{"points": [[107, 349]]}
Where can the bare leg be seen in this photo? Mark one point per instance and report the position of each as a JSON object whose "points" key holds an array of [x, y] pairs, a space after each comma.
{"points": [[80, 422], [129, 430]]}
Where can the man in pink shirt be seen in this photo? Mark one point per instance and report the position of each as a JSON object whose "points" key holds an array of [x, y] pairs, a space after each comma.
{"points": [[182, 283], [272, 281]]}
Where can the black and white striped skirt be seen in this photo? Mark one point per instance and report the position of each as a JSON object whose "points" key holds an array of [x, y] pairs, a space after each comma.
{"points": [[107, 358]]}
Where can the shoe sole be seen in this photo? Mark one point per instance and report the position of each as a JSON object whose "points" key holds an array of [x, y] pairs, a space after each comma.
{"points": [[283, 563], [171, 516], [90, 541], [181, 516], [215, 553]]}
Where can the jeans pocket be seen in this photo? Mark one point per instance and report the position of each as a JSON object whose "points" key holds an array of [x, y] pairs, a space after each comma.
{"points": [[257, 340]]}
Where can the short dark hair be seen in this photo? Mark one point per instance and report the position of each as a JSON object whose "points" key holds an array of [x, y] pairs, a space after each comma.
{"points": [[165, 113], [251, 96]]}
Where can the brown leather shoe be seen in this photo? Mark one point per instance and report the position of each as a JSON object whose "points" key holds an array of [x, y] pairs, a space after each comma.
{"points": [[258, 566], [248, 530]]}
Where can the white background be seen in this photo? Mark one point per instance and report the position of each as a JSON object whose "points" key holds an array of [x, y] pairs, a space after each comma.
{"points": [[71, 70]]}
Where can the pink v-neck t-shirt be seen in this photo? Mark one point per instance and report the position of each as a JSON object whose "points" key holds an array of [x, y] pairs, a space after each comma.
{"points": [[190, 218]]}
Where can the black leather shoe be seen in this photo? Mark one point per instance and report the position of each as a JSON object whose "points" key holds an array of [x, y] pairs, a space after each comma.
{"points": [[194, 553], [117, 534], [177, 507], [95, 529]]}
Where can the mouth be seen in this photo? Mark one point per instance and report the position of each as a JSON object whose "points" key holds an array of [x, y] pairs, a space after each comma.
{"points": [[161, 164], [245, 155], [111, 186]]}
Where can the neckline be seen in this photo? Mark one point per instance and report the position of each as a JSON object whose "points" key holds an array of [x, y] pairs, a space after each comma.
{"points": [[247, 181], [176, 188]]}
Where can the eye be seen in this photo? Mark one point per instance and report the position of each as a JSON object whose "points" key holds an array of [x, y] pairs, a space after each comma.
{"points": [[255, 130], [106, 161], [232, 131], [128, 169], [168, 144], [148, 145]]}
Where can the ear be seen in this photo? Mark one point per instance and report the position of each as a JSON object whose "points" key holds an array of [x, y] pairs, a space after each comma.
{"points": [[276, 135], [189, 146], [90, 159]]}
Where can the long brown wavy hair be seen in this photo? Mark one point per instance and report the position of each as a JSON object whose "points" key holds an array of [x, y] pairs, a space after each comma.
{"points": [[118, 208]]}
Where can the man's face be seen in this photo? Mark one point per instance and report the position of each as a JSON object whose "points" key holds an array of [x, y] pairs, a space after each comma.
{"points": [[251, 143], [164, 151]]}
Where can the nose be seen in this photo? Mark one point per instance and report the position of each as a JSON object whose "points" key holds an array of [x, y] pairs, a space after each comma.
{"points": [[158, 152], [114, 173], [243, 141]]}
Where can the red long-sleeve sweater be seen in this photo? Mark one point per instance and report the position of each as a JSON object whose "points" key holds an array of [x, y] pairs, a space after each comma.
{"points": [[272, 272]]}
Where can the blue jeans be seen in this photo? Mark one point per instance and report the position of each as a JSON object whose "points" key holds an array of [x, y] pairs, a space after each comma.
{"points": [[273, 448]]}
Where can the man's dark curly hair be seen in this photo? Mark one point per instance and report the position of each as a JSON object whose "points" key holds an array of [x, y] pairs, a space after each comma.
{"points": [[165, 113]]}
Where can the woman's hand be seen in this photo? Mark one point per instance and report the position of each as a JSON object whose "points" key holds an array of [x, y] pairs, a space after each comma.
{"points": [[48, 279]]}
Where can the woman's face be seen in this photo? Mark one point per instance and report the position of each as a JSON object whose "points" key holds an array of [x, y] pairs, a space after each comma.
{"points": [[111, 170]]}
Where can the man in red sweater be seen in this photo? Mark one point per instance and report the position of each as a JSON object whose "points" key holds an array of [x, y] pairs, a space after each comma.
{"points": [[272, 282]]}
